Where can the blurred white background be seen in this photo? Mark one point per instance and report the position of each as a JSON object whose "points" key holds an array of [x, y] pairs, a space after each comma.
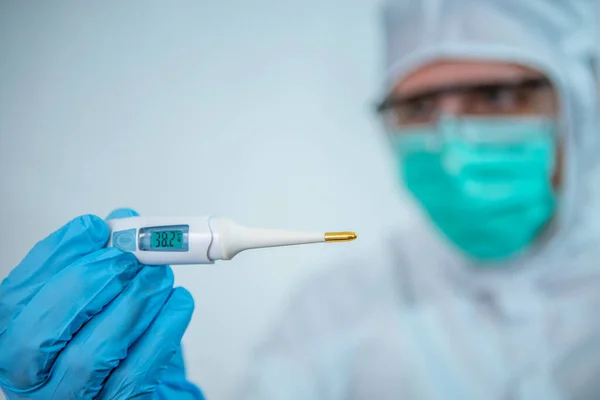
{"points": [[257, 110]]}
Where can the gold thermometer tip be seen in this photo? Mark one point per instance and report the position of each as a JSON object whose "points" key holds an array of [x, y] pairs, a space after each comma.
{"points": [[339, 236]]}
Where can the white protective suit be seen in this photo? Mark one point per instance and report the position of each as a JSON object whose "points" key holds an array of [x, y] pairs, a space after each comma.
{"points": [[418, 322]]}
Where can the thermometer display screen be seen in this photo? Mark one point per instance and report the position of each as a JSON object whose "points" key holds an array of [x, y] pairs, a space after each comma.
{"points": [[166, 240], [169, 238]]}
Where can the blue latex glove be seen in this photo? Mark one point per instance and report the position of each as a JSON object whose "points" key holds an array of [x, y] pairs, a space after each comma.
{"points": [[80, 321]]}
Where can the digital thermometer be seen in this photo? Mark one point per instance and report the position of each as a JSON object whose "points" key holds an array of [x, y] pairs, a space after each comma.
{"points": [[201, 240]]}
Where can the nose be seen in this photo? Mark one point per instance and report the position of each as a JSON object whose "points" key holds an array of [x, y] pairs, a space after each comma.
{"points": [[451, 104]]}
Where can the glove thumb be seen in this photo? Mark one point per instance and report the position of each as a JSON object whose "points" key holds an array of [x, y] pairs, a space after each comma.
{"points": [[122, 213]]}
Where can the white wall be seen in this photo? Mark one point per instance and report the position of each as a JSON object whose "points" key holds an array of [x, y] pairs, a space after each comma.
{"points": [[258, 110]]}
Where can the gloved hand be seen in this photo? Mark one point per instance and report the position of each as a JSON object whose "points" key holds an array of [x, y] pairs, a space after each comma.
{"points": [[80, 321]]}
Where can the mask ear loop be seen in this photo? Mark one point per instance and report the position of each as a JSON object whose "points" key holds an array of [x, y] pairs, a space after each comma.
{"points": [[557, 153]]}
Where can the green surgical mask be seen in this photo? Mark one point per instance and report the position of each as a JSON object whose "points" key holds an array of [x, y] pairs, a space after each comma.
{"points": [[484, 182]]}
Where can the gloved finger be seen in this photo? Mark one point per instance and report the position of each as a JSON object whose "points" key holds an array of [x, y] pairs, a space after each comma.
{"points": [[141, 372], [173, 382], [122, 213], [103, 342], [33, 339], [81, 236]]}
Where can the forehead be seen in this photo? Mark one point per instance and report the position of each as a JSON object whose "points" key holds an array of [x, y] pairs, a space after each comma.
{"points": [[441, 74]]}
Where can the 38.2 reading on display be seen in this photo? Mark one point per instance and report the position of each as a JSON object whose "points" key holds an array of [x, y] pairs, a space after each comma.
{"points": [[167, 240]]}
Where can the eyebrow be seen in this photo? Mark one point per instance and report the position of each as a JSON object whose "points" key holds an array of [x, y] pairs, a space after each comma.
{"points": [[394, 99]]}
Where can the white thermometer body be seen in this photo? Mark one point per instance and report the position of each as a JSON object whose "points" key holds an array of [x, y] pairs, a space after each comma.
{"points": [[201, 240]]}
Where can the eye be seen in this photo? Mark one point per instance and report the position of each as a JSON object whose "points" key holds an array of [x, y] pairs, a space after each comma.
{"points": [[499, 98], [419, 109]]}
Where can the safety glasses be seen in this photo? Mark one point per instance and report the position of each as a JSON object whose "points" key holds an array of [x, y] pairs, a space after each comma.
{"points": [[495, 99]]}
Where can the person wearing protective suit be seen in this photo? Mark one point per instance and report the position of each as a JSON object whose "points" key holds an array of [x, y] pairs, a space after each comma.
{"points": [[491, 109]]}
